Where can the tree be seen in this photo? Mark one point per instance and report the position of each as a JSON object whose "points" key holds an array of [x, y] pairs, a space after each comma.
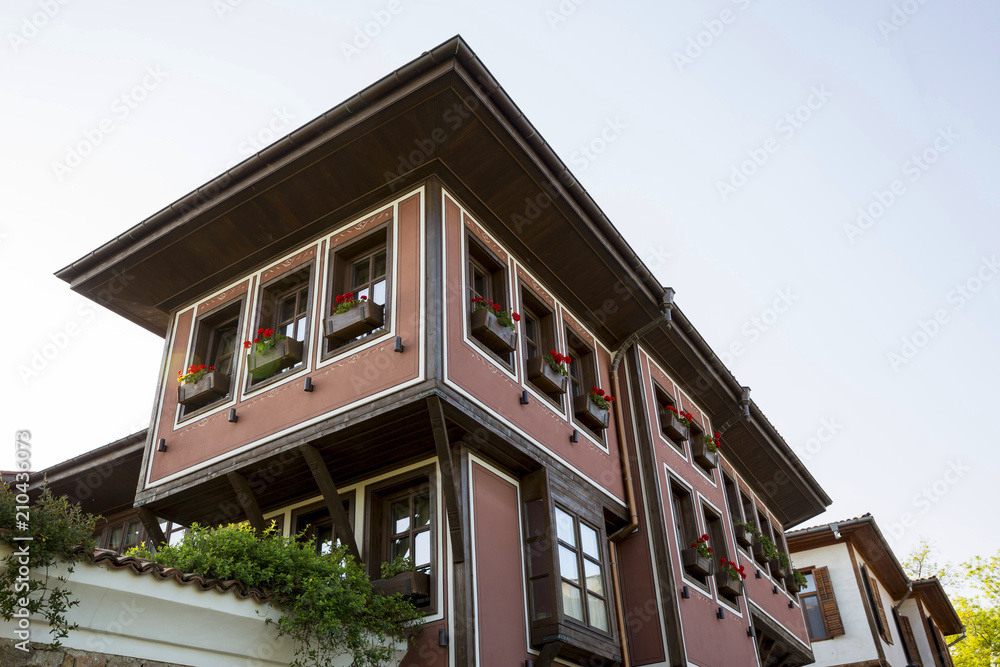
{"points": [[921, 563]]}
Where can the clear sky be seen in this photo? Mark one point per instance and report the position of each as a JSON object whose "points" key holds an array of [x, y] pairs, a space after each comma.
{"points": [[816, 180]]}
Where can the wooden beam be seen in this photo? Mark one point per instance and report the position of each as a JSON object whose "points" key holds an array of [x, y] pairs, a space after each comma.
{"points": [[152, 526], [332, 499], [450, 480], [247, 501], [548, 654]]}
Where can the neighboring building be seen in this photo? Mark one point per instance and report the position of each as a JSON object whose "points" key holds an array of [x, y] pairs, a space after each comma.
{"points": [[542, 526], [861, 609]]}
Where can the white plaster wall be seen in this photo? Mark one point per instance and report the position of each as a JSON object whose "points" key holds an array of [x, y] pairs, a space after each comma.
{"points": [[895, 654], [911, 610], [856, 644]]}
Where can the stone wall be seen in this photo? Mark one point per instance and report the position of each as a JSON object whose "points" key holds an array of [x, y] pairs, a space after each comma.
{"points": [[67, 657]]}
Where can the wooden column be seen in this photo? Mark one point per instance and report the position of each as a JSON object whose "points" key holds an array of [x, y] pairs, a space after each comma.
{"points": [[247, 501], [331, 497], [152, 526]]}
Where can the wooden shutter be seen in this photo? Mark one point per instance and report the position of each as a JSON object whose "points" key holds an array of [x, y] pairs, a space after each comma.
{"points": [[944, 655], [909, 641], [876, 600], [828, 602]]}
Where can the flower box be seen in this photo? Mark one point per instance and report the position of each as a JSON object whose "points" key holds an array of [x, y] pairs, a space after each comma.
{"points": [[672, 427], [491, 333], [408, 584], [791, 584], [286, 353], [588, 412], [728, 584], [778, 571], [695, 563], [759, 553], [702, 456], [364, 318], [744, 536], [212, 386], [541, 374]]}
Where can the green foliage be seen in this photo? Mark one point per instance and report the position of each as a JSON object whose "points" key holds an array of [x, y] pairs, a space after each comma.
{"points": [[57, 527], [921, 564], [327, 602], [981, 647], [800, 579], [398, 565], [769, 549], [783, 559], [751, 527]]}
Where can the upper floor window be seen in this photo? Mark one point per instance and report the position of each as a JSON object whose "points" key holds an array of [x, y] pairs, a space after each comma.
{"points": [[675, 432], [284, 309], [819, 605], [542, 361], [486, 281], [686, 525], [361, 277], [215, 345], [581, 568], [875, 602]]}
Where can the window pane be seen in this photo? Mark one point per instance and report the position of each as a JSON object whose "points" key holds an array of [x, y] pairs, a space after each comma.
{"points": [[479, 282], [422, 547], [540, 598], [538, 560], [422, 510], [592, 572], [324, 539], [810, 586], [400, 516], [588, 540], [568, 567], [360, 273], [303, 302], [116, 538], [132, 533], [378, 270], [400, 547], [598, 612], [564, 527], [286, 309], [814, 617], [572, 604], [176, 537], [378, 293], [300, 329]]}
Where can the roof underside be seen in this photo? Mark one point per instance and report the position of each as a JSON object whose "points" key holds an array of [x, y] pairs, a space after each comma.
{"points": [[489, 156]]}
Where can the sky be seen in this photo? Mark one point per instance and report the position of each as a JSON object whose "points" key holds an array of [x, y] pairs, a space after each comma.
{"points": [[815, 180]]}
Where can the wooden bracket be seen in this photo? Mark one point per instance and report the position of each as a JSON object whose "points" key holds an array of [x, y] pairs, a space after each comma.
{"points": [[331, 497], [247, 501]]}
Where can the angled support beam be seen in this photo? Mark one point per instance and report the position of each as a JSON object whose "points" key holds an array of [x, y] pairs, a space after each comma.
{"points": [[332, 499], [451, 481], [152, 526], [548, 654], [247, 501]]}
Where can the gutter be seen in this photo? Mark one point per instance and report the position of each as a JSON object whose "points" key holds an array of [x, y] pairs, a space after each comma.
{"points": [[957, 640], [909, 590]]}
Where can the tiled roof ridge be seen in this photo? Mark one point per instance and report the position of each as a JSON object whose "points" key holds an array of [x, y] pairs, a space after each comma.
{"points": [[141, 566]]}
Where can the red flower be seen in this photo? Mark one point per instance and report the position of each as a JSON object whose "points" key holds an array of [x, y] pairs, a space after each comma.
{"points": [[348, 295], [705, 537], [256, 340], [340, 298], [496, 307], [609, 398], [515, 317], [364, 298], [211, 368], [567, 360], [247, 344], [599, 392]]}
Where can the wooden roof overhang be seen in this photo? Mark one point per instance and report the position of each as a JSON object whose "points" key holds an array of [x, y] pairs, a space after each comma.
{"points": [[936, 601], [496, 162], [866, 537]]}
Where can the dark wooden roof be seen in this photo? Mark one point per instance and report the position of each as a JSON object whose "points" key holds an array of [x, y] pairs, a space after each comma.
{"points": [[936, 601], [496, 162]]}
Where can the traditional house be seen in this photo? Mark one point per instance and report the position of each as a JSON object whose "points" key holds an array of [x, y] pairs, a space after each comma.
{"points": [[861, 609], [421, 253]]}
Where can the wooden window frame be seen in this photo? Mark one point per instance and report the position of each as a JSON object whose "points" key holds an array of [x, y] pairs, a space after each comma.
{"points": [[874, 598], [731, 492], [342, 260], [581, 559], [266, 315], [907, 638], [532, 307], [833, 624], [316, 516], [585, 363], [682, 502], [204, 348], [715, 528], [479, 257], [662, 398], [378, 499]]}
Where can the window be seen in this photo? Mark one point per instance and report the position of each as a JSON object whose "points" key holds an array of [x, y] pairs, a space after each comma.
{"points": [[215, 344], [402, 524], [664, 401], [779, 544], [717, 540], [486, 279], [539, 338], [695, 434], [124, 536], [582, 376], [733, 502], [819, 606], [875, 603], [284, 307], [173, 532], [315, 520], [581, 569], [686, 524], [909, 641], [361, 268]]}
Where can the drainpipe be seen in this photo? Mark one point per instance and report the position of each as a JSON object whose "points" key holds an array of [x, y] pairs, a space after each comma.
{"points": [[666, 305], [957, 640], [909, 589]]}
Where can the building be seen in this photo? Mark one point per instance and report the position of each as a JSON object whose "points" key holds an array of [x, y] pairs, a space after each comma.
{"points": [[861, 609], [544, 523]]}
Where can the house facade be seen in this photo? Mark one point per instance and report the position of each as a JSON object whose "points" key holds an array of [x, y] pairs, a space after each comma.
{"points": [[421, 253], [861, 609]]}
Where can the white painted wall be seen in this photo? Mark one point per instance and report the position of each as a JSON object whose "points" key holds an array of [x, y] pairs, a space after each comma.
{"points": [[911, 610], [895, 654], [856, 645]]}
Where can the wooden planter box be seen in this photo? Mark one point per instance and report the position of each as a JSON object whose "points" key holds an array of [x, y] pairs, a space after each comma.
{"points": [[791, 584], [672, 427], [778, 571], [743, 536], [695, 563], [488, 331], [589, 414], [729, 584], [285, 354], [759, 554], [212, 386], [703, 457], [541, 374], [363, 318], [408, 584]]}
